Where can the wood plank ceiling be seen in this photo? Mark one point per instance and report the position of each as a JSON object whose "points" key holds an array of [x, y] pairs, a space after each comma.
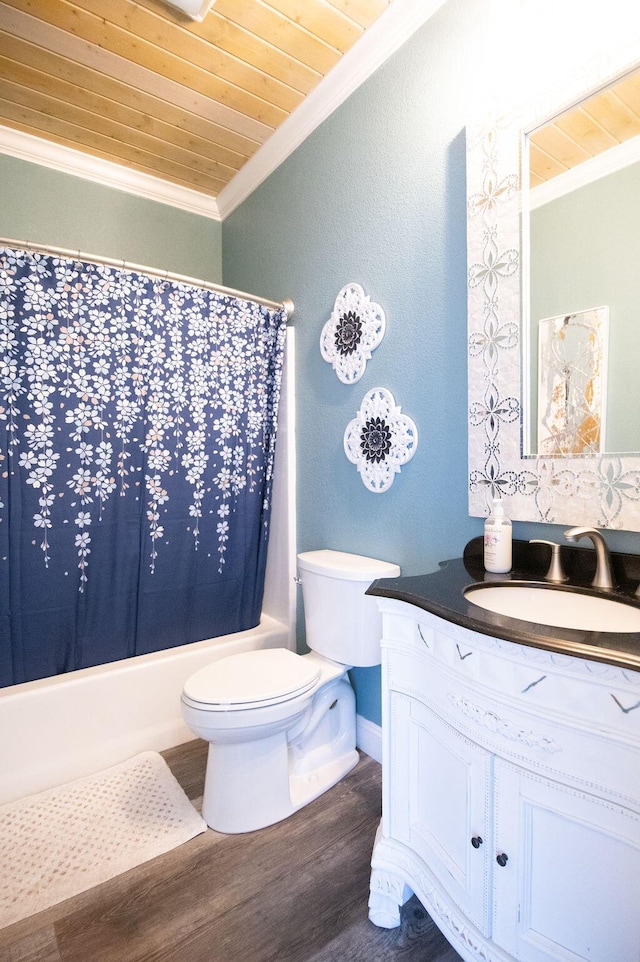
{"points": [[140, 84], [608, 118]]}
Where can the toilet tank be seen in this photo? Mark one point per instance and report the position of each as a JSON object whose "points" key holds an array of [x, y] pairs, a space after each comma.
{"points": [[342, 623]]}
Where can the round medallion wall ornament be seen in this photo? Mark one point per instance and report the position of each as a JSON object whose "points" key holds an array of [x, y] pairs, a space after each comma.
{"points": [[353, 331], [379, 440]]}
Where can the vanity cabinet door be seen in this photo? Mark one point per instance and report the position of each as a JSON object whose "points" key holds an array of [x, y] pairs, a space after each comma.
{"points": [[440, 788], [570, 887]]}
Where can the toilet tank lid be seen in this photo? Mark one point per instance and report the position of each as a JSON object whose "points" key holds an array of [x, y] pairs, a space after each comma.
{"points": [[349, 567]]}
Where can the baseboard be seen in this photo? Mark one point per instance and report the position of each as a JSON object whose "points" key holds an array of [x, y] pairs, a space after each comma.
{"points": [[369, 737]]}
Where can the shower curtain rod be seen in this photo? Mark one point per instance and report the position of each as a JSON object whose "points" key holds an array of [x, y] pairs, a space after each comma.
{"points": [[287, 304]]}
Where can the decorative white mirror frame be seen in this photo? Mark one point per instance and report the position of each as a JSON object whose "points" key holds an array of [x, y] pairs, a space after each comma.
{"points": [[603, 491]]}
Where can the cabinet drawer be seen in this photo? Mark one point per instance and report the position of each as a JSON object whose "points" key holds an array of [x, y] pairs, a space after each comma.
{"points": [[588, 694], [507, 727]]}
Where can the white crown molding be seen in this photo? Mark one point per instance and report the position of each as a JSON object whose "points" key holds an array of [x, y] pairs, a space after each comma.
{"points": [[386, 35], [614, 159], [69, 161]]}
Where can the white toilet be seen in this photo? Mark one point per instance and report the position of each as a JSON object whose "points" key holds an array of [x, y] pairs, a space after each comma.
{"points": [[281, 727]]}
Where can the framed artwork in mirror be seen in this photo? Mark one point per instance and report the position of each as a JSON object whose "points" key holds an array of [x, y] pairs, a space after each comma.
{"points": [[572, 384]]}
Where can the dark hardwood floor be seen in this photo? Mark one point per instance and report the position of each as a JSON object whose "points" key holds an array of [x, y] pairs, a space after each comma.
{"points": [[294, 892]]}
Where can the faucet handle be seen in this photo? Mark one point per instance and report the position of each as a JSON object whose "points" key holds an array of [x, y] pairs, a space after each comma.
{"points": [[556, 571]]}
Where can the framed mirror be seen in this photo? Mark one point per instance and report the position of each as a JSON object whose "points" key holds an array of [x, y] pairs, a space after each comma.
{"points": [[554, 295]]}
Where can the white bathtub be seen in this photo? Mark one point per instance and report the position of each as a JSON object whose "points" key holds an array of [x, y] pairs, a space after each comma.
{"points": [[56, 729]]}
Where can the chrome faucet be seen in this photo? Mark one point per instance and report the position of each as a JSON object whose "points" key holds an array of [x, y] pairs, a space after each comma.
{"points": [[604, 571]]}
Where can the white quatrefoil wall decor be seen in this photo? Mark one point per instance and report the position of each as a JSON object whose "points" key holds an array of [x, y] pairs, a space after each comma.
{"points": [[380, 440], [353, 331]]}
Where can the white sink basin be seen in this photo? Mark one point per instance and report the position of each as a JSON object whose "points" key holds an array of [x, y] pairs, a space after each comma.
{"points": [[546, 605]]}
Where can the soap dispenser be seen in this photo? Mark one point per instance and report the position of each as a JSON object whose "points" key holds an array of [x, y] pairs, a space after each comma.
{"points": [[497, 540]]}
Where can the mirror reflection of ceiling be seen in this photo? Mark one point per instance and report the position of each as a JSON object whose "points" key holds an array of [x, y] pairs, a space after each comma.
{"points": [[608, 118]]}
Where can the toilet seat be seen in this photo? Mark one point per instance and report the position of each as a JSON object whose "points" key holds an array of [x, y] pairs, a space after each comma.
{"points": [[252, 679]]}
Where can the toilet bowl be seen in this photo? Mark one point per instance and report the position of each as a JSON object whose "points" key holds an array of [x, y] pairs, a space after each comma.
{"points": [[281, 727]]}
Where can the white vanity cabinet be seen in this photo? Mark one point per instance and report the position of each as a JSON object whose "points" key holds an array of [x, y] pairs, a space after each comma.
{"points": [[511, 794]]}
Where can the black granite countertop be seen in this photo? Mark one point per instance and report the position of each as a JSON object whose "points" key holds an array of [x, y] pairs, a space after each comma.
{"points": [[442, 594]]}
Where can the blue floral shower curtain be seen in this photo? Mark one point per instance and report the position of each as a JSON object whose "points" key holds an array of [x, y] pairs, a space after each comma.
{"points": [[136, 466]]}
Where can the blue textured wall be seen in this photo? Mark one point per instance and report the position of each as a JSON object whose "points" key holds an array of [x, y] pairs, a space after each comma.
{"points": [[376, 196], [49, 207]]}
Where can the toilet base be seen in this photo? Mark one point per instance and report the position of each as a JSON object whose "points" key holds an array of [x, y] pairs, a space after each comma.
{"points": [[252, 784], [304, 788], [263, 799]]}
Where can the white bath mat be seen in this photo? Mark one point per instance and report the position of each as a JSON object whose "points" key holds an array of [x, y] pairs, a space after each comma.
{"points": [[65, 840]]}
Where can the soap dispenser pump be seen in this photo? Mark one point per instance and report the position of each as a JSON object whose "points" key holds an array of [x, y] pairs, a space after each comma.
{"points": [[497, 540]]}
